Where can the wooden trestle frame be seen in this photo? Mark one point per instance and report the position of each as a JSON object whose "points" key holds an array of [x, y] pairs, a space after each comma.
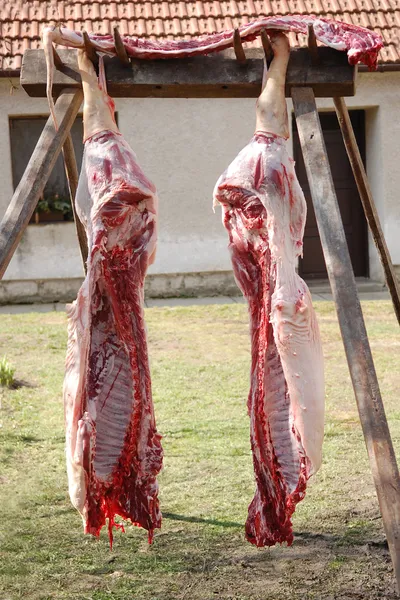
{"points": [[312, 72]]}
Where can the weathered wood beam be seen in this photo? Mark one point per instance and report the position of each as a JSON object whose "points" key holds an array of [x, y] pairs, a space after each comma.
{"points": [[369, 401], [71, 169], [201, 77], [31, 186], [367, 200]]}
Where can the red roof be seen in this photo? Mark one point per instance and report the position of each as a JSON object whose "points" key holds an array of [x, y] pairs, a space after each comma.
{"points": [[21, 21]]}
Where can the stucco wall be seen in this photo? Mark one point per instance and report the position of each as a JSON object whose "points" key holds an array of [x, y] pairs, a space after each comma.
{"points": [[377, 93], [184, 145]]}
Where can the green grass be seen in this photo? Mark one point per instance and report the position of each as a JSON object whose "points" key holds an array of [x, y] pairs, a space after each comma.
{"points": [[6, 373], [200, 364]]}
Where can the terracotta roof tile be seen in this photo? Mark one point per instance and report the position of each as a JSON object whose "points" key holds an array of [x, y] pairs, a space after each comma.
{"points": [[22, 21]]}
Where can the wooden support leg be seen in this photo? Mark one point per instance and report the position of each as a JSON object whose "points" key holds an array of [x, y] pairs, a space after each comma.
{"points": [[351, 321], [71, 170], [31, 186], [367, 200]]}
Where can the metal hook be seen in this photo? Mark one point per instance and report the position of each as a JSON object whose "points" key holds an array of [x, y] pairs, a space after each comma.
{"points": [[266, 43], [238, 48], [89, 49], [312, 45], [120, 48]]}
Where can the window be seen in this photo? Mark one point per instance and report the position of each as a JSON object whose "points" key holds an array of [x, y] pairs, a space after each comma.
{"points": [[55, 204]]}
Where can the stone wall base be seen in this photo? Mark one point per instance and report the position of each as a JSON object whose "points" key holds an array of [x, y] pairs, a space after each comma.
{"points": [[176, 285], [179, 285]]}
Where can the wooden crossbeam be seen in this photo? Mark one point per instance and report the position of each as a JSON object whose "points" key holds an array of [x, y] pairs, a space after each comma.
{"points": [[358, 352], [31, 186], [201, 77]]}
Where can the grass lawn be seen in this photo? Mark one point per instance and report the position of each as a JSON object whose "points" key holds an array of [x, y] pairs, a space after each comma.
{"points": [[200, 367]]}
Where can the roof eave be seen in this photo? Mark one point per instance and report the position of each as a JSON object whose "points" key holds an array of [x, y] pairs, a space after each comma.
{"points": [[10, 73]]}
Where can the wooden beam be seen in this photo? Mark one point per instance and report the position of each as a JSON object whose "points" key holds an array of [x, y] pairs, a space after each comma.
{"points": [[367, 200], [369, 401], [37, 172], [71, 170], [201, 77]]}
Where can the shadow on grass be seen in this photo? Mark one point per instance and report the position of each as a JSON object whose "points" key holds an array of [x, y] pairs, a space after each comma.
{"points": [[22, 437], [19, 383], [174, 517]]}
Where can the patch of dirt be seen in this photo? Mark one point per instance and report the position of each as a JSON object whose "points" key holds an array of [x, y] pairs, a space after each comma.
{"points": [[316, 567]]}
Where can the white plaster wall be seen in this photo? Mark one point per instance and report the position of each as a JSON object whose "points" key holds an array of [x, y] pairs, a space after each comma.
{"points": [[183, 146], [45, 251], [378, 94]]}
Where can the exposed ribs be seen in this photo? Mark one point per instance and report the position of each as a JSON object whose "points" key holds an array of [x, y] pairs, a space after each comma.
{"points": [[264, 212], [113, 449]]}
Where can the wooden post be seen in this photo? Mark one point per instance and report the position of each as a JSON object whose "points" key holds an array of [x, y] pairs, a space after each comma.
{"points": [[31, 186], [71, 170], [367, 200], [351, 321]]}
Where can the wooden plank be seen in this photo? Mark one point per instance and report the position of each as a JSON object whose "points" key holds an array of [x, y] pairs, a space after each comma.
{"points": [[370, 406], [367, 200], [201, 77], [31, 186], [71, 170]]}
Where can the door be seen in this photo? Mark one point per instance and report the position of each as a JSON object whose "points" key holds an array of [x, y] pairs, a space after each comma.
{"points": [[312, 265]]}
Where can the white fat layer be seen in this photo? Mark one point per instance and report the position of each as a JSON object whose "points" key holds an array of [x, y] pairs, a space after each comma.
{"points": [[296, 418], [99, 386], [293, 318]]}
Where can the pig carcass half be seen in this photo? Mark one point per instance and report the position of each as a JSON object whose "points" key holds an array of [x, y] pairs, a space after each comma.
{"points": [[112, 447], [264, 212]]}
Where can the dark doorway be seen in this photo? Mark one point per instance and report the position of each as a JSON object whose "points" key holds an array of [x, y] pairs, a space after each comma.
{"points": [[312, 266]]}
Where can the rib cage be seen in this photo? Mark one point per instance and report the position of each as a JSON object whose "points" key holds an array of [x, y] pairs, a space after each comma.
{"points": [[264, 212], [113, 448]]}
